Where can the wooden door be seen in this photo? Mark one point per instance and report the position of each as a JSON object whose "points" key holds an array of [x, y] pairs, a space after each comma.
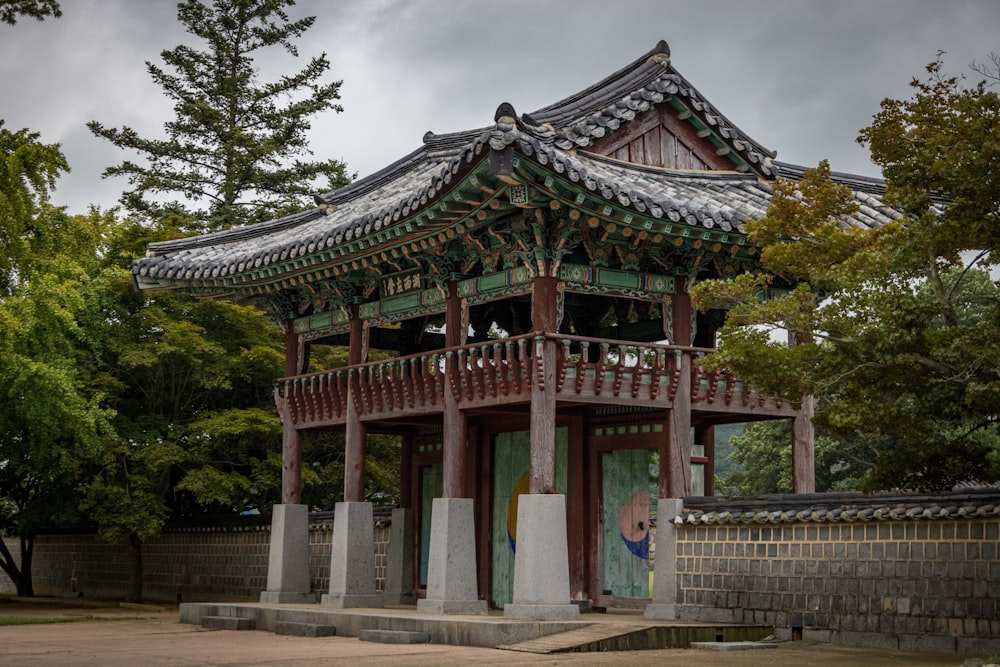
{"points": [[431, 486], [629, 486], [510, 479]]}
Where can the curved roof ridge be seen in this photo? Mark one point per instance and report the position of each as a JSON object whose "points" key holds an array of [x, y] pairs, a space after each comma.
{"points": [[235, 233], [451, 140], [856, 182], [435, 146], [550, 113]]}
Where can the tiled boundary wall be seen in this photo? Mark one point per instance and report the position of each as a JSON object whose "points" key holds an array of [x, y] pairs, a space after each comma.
{"points": [[909, 572], [187, 564]]}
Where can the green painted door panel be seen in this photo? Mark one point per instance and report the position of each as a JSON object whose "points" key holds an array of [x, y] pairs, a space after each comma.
{"points": [[628, 488], [510, 479], [430, 488]]}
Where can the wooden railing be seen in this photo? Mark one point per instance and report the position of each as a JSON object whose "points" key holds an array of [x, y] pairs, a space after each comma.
{"points": [[503, 372]]}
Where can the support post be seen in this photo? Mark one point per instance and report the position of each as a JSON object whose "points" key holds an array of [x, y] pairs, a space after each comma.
{"points": [[803, 453], [451, 565], [675, 480], [291, 438], [288, 579], [541, 562], [354, 436], [803, 434], [352, 558], [352, 554], [455, 433], [452, 584], [543, 391], [704, 435], [663, 604]]}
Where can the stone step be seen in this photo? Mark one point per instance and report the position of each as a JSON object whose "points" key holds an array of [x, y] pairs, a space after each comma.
{"points": [[394, 636], [733, 646], [304, 629], [228, 623]]}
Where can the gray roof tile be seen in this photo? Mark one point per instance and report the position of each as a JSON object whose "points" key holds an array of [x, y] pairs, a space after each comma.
{"points": [[840, 507], [552, 137]]}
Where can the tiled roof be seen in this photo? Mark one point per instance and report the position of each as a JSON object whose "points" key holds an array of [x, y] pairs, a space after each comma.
{"points": [[839, 507], [360, 209], [554, 136]]}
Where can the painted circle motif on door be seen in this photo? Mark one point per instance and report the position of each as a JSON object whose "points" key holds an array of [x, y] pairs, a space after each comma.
{"points": [[521, 486], [633, 520]]}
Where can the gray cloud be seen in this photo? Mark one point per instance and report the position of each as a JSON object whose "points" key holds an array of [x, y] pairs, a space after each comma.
{"points": [[802, 77]]}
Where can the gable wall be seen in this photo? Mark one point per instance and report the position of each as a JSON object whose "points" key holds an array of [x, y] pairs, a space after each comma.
{"points": [[659, 139]]}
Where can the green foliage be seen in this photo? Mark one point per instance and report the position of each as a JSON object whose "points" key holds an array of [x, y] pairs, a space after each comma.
{"points": [[53, 409], [764, 455], [10, 10], [28, 171], [724, 463], [323, 469], [234, 457], [236, 145], [895, 327]]}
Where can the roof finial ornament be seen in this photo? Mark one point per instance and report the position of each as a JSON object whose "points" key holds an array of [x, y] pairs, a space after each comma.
{"points": [[662, 47], [505, 113]]}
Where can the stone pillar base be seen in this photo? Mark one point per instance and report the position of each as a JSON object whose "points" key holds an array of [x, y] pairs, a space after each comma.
{"points": [[663, 605], [352, 558], [288, 558], [451, 562], [542, 612], [660, 612], [541, 564]]}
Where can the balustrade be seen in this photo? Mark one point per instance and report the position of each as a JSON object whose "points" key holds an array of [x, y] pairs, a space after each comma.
{"points": [[503, 371]]}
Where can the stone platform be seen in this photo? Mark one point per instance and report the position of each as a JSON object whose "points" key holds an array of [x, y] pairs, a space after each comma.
{"points": [[621, 629]]}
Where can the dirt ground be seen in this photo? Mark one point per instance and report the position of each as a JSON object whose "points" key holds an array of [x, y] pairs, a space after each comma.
{"points": [[93, 633]]}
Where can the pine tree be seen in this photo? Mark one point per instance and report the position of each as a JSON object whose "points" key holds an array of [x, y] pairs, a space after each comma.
{"points": [[236, 150]]}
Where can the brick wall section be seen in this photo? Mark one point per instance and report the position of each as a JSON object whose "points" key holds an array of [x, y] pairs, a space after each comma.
{"points": [[195, 564], [914, 583]]}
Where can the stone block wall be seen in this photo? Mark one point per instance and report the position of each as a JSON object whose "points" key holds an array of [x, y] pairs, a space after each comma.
{"points": [[906, 572], [181, 564]]}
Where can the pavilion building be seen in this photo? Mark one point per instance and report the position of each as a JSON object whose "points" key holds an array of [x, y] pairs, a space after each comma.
{"points": [[530, 280]]}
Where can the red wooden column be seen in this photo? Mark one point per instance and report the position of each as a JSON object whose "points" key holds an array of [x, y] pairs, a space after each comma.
{"points": [[354, 454], [291, 438], [544, 318], [675, 476], [455, 435], [704, 435], [803, 454], [803, 434]]}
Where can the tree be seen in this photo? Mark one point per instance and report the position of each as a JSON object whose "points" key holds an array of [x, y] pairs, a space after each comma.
{"points": [[896, 326], [10, 10], [28, 170], [53, 409], [194, 417], [236, 143]]}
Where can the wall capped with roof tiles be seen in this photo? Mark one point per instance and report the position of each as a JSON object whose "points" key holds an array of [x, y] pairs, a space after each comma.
{"points": [[200, 564], [912, 583]]}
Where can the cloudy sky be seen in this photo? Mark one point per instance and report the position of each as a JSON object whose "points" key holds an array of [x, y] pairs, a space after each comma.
{"points": [[800, 76]]}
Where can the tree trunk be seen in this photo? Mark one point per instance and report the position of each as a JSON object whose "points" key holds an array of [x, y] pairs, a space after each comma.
{"points": [[21, 576], [134, 593]]}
